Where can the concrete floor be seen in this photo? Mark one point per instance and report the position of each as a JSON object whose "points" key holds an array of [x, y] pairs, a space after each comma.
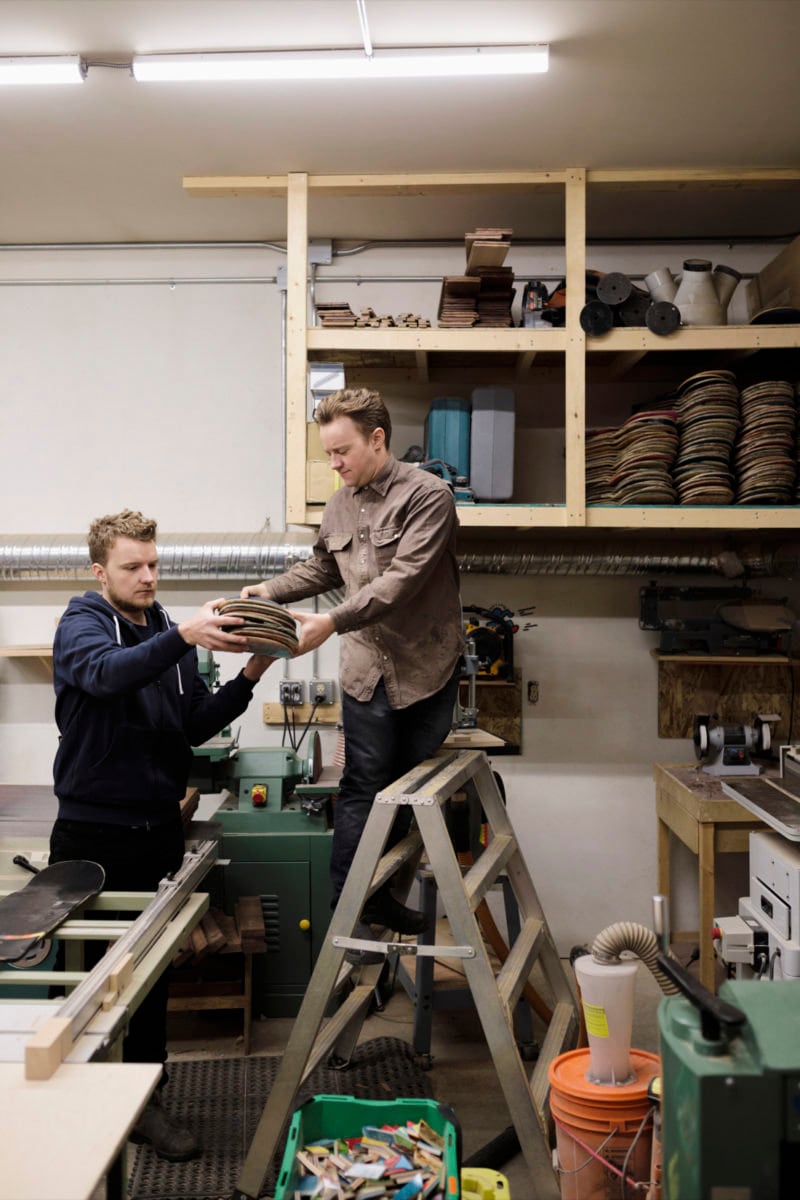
{"points": [[462, 1074]]}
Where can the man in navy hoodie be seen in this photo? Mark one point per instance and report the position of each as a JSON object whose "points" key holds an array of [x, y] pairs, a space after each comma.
{"points": [[130, 704]]}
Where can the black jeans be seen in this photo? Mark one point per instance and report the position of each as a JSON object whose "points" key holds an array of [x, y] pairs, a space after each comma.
{"points": [[133, 860], [381, 744]]}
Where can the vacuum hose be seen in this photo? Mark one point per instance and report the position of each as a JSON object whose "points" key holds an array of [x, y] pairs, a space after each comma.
{"points": [[639, 940]]}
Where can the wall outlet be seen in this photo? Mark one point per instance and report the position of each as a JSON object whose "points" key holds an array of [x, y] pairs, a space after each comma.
{"points": [[321, 691], [291, 691]]}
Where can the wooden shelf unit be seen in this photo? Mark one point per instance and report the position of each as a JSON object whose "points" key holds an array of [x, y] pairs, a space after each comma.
{"points": [[517, 352]]}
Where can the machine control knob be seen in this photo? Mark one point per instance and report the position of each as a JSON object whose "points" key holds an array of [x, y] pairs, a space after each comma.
{"points": [[305, 924]]}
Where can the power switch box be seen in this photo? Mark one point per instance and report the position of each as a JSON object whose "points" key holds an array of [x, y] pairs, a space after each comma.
{"points": [[290, 691]]}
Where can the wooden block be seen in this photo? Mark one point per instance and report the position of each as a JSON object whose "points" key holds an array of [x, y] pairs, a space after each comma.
{"points": [[250, 919], [214, 935], [44, 1052], [199, 943], [118, 980], [233, 942], [326, 714]]}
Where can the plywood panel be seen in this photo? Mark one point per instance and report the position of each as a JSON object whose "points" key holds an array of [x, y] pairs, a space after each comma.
{"points": [[732, 690]]}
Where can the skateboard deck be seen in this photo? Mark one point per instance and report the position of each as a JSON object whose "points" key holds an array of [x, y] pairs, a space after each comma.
{"points": [[30, 914]]}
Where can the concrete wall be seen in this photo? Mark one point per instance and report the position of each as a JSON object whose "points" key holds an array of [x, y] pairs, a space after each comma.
{"points": [[165, 396]]}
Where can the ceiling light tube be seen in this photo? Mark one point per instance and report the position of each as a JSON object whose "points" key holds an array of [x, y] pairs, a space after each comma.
{"points": [[65, 68], [411, 62]]}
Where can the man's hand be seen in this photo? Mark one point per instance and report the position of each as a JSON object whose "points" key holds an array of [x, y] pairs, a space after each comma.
{"points": [[255, 666], [253, 589], [204, 628], [315, 628]]}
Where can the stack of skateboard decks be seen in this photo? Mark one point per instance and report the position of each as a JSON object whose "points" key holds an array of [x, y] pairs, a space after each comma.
{"points": [[267, 626], [484, 295], [457, 303]]}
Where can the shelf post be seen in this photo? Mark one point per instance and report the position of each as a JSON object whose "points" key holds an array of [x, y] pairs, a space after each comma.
{"points": [[575, 356], [296, 323]]}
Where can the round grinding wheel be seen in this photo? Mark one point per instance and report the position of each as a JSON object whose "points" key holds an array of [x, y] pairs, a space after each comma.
{"points": [[596, 318], [662, 317], [614, 288]]}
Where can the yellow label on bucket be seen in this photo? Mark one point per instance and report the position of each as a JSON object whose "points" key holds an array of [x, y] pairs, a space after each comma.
{"points": [[596, 1020]]}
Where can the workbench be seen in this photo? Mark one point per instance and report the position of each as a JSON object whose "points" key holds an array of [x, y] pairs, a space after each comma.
{"points": [[64, 1132], [693, 806], [63, 1135]]}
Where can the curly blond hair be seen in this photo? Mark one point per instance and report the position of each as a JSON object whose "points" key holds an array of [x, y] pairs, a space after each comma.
{"points": [[104, 531]]}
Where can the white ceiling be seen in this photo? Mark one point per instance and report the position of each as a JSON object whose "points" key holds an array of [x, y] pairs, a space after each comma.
{"points": [[651, 83]]}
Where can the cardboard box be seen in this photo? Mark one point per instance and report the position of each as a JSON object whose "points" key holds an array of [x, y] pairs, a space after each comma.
{"points": [[321, 481], [777, 285], [314, 443]]}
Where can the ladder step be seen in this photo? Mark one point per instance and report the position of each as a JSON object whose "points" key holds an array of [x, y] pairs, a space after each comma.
{"points": [[488, 866], [333, 1029], [517, 967], [558, 1039], [450, 770], [393, 859]]}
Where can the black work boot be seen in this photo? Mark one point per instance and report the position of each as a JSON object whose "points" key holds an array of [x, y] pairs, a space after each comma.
{"points": [[383, 909], [168, 1139]]}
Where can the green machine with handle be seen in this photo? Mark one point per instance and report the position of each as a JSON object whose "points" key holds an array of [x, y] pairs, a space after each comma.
{"points": [[731, 1089]]}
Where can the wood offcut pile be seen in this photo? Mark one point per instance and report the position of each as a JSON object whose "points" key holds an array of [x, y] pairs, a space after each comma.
{"points": [[397, 1161], [484, 294], [337, 314], [218, 933]]}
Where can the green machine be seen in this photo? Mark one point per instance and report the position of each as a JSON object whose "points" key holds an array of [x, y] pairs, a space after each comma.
{"points": [[276, 844], [731, 1089]]}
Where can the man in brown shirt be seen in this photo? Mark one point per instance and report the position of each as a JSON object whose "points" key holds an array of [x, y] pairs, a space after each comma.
{"points": [[389, 537]]}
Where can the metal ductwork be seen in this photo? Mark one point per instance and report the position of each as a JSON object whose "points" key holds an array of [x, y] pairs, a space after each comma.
{"points": [[186, 556], [208, 556]]}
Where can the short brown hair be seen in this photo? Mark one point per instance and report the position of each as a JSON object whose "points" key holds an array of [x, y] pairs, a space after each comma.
{"points": [[104, 531], [364, 408]]}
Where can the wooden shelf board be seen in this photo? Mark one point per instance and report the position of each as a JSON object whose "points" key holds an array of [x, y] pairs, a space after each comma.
{"points": [[727, 660], [691, 517], [486, 341], [43, 651], [698, 337]]}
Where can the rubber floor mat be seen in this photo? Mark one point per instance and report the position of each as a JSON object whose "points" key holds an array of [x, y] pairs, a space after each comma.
{"points": [[221, 1101]]}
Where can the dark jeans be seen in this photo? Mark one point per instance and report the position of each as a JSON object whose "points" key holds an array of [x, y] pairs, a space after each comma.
{"points": [[133, 860], [381, 744]]}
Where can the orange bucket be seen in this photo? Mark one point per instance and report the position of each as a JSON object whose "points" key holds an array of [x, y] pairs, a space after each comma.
{"points": [[597, 1119]]}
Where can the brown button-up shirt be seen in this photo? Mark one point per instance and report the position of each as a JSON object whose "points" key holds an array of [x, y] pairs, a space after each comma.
{"points": [[392, 545]]}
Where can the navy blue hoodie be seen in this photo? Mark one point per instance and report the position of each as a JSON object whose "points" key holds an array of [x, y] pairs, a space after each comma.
{"points": [[130, 704]]}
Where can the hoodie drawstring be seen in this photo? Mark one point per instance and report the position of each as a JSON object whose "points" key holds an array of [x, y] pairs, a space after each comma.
{"points": [[165, 617]]}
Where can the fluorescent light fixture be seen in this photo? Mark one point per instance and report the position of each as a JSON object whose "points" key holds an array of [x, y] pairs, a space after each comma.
{"points": [[412, 62], [65, 68]]}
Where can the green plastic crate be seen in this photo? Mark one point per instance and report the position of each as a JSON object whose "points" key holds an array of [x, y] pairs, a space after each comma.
{"points": [[345, 1116]]}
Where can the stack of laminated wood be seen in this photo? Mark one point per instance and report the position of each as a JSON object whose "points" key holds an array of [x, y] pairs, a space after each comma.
{"points": [[218, 933], [335, 314], [484, 295]]}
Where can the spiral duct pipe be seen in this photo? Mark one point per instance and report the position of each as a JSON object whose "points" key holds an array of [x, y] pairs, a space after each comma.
{"points": [[641, 941], [200, 556], [208, 556]]}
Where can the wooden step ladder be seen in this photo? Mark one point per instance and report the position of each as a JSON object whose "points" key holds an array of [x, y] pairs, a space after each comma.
{"points": [[426, 788]]}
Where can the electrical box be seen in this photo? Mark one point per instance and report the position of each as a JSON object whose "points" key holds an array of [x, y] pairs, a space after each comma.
{"points": [[291, 691], [321, 691]]}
